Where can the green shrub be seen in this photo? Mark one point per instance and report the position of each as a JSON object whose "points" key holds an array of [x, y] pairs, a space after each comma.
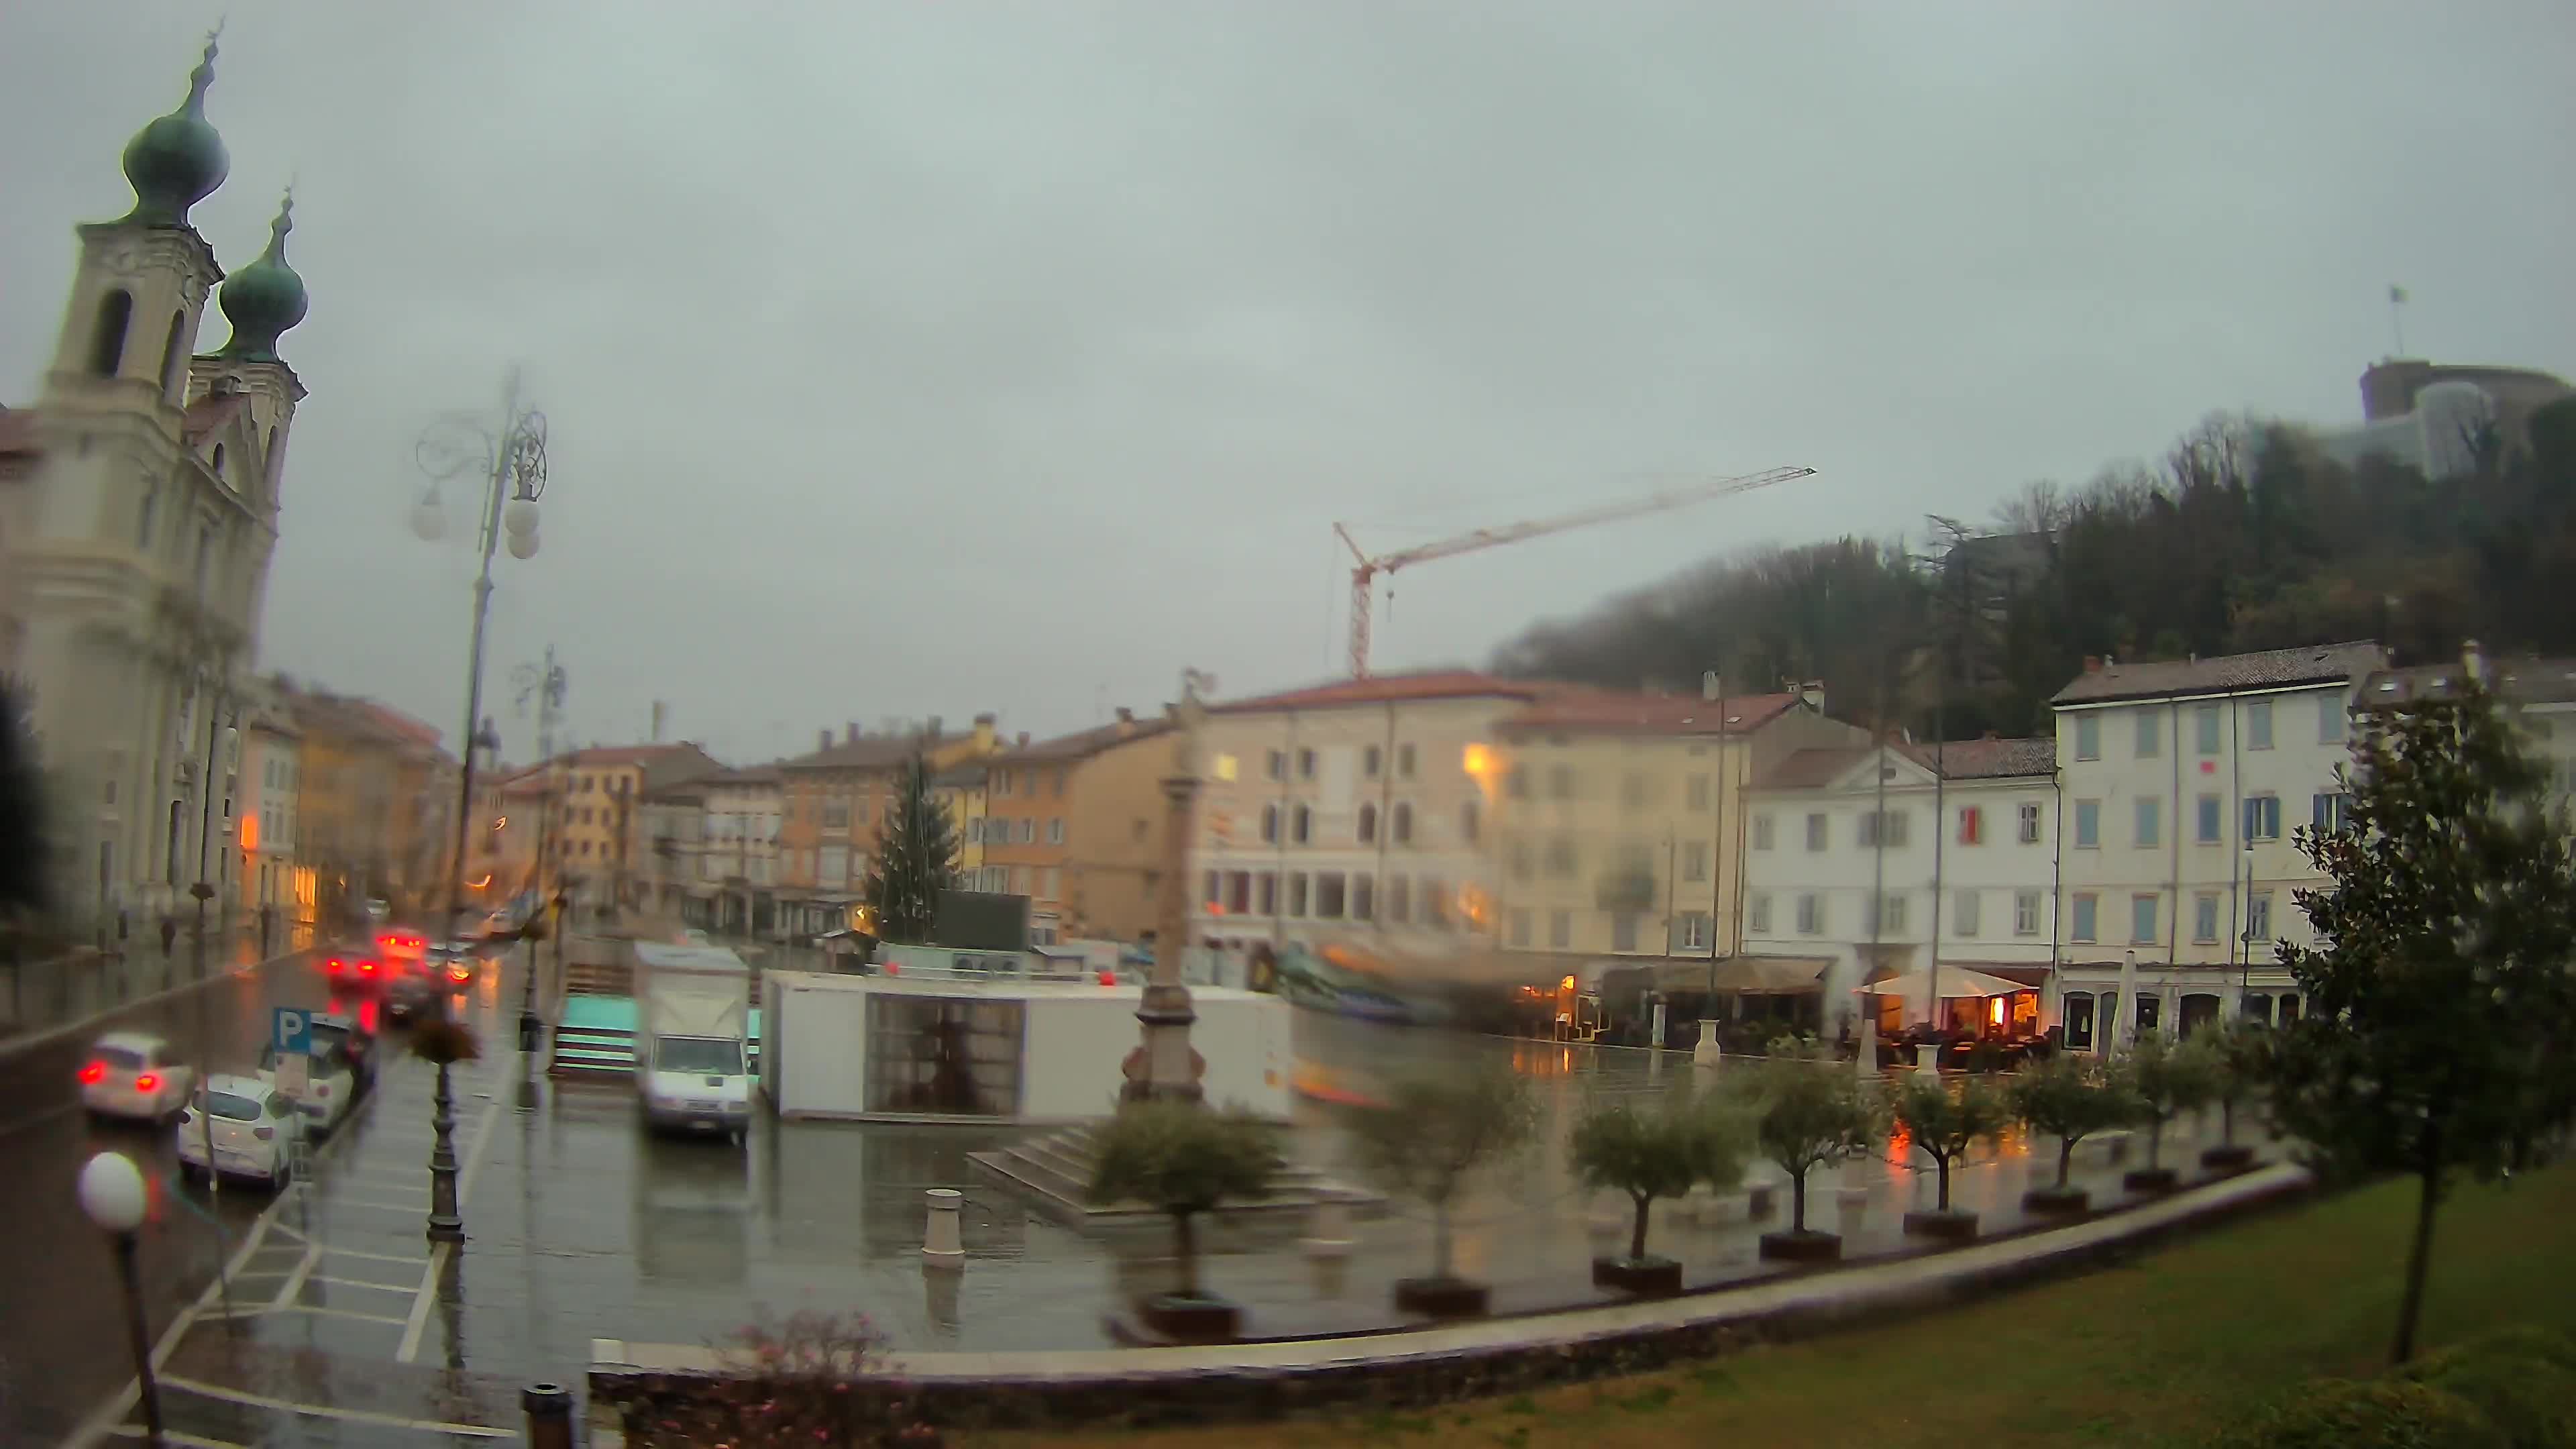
{"points": [[2526, 1340], [2532, 1400], [2385, 1414]]}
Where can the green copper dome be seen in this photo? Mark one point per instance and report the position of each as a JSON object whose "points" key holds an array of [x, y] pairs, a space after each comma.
{"points": [[264, 299], [178, 160]]}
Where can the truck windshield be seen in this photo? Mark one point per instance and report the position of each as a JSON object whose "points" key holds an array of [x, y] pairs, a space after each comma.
{"points": [[714, 1057]]}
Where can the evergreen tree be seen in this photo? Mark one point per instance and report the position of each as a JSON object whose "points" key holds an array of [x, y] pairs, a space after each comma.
{"points": [[916, 857], [2440, 1005], [23, 862]]}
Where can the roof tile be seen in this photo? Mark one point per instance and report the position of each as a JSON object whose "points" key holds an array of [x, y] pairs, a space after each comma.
{"points": [[2262, 669]]}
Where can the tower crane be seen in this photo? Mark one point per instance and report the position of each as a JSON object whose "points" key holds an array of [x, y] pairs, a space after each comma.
{"points": [[1365, 569]]}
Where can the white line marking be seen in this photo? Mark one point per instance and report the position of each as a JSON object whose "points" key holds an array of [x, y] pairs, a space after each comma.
{"points": [[382, 1207], [402, 1323], [474, 1155], [362, 1283], [420, 1299], [320, 1411], [173, 1436], [372, 1257], [294, 1283]]}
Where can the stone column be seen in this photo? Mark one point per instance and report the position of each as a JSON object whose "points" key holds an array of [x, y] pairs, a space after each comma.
{"points": [[1163, 1066]]}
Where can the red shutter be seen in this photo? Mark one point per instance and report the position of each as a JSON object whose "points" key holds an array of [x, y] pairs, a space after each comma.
{"points": [[1971, 825]]}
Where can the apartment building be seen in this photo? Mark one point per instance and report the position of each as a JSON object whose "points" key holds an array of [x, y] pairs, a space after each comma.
{"points": [[959, 789], [372, 793], [1878, 859], [2539, 694], [833, 802], [1076, 823], [2180, 784], [1620, 818], [596, 828], [1354, 807], [738, 857], [269, 875]]}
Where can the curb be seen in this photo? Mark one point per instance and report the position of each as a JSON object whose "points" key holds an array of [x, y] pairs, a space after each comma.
{"points": [[12, 1046]]}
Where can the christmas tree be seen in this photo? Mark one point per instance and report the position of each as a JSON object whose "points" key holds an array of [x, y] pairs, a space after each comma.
{"points": [[916, 857]]}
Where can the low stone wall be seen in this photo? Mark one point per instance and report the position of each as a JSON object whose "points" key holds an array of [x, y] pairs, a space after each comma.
{"points": [[1407, 1369]]}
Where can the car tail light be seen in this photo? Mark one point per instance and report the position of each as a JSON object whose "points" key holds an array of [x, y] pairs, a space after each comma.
{"points": [[366, 968], [148, 1082], [94, 1072], [335, 964], [263, 1133], [460, 973]]}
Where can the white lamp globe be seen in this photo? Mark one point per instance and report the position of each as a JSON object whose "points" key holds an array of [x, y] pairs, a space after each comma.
{"points": [[111, 1192], [519, 515], [429, 520], [523, 545]]}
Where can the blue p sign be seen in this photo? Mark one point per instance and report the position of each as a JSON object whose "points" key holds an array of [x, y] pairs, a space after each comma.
{"points": [[290, 1030]]}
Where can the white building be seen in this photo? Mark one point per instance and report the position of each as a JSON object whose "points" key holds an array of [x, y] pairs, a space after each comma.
{"points": [[738, 851], [139, 539], [1356, 807], [1864, 862], [2540, 694], [2180, 785]]}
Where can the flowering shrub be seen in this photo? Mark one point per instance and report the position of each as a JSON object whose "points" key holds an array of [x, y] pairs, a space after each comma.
{"points": [[812, 1379]]}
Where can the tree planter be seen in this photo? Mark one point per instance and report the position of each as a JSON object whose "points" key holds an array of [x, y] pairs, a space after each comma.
{"points": [[2150, 1179], [1810, 1246], [1648, 1277], [2227, 1159], [1943, 1226], [2056, 1200], [1190, 1320], [1443, 1297]]}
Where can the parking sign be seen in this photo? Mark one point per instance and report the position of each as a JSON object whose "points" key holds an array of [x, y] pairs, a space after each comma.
{"points": [[290, 1030]]}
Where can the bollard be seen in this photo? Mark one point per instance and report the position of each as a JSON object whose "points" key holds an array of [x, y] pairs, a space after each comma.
{"points": [[1328, 1227], [944, 1246], [549, 1411], [1705, 1052]]}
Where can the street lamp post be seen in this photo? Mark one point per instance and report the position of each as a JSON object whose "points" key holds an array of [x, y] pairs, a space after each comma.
{"points": [[513, 464], [112, 1196]]}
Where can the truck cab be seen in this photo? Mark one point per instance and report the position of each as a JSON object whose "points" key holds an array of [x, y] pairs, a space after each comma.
{"points": [[692, 1047]]}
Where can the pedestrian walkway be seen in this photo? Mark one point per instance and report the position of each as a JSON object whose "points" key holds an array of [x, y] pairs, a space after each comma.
{"points": [[44, 998]]}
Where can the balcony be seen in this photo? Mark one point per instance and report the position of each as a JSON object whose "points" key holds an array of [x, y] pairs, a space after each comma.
{"points": [[1625, 890]]}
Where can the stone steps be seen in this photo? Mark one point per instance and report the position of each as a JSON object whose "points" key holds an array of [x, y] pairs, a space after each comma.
{"points": [[1056, 1168]]}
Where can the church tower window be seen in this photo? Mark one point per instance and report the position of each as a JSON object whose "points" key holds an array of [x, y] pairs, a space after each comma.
{"points": [[107, 342], [174, 357]]}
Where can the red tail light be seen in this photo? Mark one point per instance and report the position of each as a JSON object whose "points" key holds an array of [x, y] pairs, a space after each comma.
{"points": [[1108, 978], [335, 964], [366, 968], [94, 1072], [148, 1082]]}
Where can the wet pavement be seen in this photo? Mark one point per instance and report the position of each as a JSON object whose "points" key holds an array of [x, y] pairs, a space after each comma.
{"points": [[345, 1326]]}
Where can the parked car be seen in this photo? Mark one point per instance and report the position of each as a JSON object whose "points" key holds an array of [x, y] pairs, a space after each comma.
{"points": [[135, 1075], [353, 1040], [330, 1086], [253, 1126]]}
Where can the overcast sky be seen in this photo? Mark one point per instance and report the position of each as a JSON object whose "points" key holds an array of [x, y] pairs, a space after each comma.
{"points": [[929, 359]]}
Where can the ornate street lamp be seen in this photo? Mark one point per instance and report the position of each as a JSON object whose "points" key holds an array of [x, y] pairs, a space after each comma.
{"points": [[112, 1197], [512, 464]]}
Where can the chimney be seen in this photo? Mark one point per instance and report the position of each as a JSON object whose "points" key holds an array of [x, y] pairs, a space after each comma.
{"points": [[2092, 663], [1024, 740], [1812, 695], [850, 732], [984, 732], [2474, 660], [1126, 721], [826, 740]]}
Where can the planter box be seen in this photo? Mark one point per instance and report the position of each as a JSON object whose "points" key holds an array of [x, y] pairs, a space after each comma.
{"points": [[1810, 1246], [2150, 1179], [1442, 1297], [2056, 1200], [2227, 1159], [1648, 1277], [1948, 1227], [1190, 1320]]}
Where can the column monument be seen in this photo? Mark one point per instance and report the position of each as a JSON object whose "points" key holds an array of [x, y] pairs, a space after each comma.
{"points": [[1163, 1065]]}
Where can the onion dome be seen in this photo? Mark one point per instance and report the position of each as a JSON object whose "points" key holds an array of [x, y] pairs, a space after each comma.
{"points": [[264, 299], [178, 160]]}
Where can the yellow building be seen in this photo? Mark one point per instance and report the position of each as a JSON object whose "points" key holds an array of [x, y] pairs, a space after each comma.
{"points": [[597, 821], [1620, 822], [960, 789]]}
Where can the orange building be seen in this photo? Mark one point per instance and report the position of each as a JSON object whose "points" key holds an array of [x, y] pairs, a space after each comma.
{"points": [[832, 803], [1075, 823]]}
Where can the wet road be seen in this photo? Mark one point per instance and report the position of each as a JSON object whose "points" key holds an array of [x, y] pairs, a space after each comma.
{"points": [[62, 1331]]}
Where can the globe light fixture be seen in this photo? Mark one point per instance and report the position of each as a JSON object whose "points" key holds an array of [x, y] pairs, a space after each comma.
{"points": [[519, 516], [523, 545], [112, 1193]]}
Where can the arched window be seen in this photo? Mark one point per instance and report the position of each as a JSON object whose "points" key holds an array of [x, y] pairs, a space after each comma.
{"points": [[216, 464], [1368, 823], [1403, 831], [174, 356], [150, 515], [107, 340], [271, 462], [1305, 824]]}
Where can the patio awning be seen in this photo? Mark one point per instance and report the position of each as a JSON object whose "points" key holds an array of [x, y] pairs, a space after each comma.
{"points": [[1771, 975], [1956, 982]]}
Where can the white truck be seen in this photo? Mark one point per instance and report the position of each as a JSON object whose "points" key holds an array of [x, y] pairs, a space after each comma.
{"points": [[692, 1024]]}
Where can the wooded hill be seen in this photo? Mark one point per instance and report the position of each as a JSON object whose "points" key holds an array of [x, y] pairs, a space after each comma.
{"points": [[2243, 536]]}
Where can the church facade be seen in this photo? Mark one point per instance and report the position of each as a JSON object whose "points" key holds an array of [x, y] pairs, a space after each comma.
{"points": [[138, 517]]}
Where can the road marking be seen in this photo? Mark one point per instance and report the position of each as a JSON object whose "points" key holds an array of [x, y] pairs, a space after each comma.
{"points": [[420, 1299], [373, 1257], [173, 1436], [382, 1207], [361, 1283], [295, 1281], [402, 1323], [320, 1411]]}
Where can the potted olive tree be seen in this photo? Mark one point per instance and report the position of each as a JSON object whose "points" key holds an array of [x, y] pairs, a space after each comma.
{"points": [[1660, 1149], [1432, 1136], [1185, 1159], [1944, 1125], [1808, 1113], [2071, 1096], [2169, 1078], [2239, 1053]]}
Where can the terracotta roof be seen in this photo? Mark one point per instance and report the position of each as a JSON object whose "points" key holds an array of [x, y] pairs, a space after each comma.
{"points": [[1612, 712], [2263, 669], [1815, 768], [1812, 769], [869, 752], [1394, 688], [1081, 744], [418, 732], [208, 413], [2515, 681]]}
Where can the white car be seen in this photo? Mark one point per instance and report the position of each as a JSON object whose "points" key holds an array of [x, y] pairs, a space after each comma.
{"points": [[330, 1090], [253, 1125], [135, 1075]]}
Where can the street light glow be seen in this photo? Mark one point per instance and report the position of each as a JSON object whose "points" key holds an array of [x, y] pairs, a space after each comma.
{"points": [[112, 1192]]}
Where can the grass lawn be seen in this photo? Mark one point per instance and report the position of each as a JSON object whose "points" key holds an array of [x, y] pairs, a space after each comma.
{"points": [[2159, 1351]]}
